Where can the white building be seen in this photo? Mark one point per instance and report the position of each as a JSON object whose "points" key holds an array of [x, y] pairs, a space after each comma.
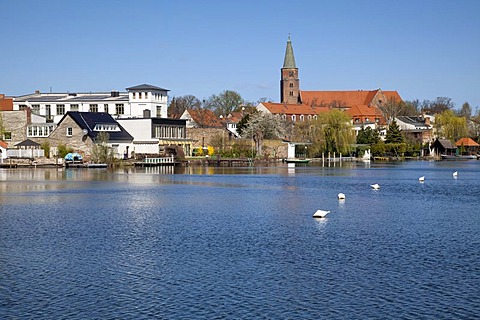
{"points": [[135, 103], [156, 135]]}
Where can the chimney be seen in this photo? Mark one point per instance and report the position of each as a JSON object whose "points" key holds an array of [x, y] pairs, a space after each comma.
{"points": [[115, 93], [427, 121], [37, 91]]}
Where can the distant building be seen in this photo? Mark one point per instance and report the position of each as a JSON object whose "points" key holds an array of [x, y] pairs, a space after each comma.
{"points": [[296, 105], [137, 101], [418, 129]]}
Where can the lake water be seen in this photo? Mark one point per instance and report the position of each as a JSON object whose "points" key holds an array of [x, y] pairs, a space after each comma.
{"points": [[241, 243]]}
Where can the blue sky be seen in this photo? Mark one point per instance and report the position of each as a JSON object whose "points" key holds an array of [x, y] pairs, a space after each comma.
{"points": [[423, 49]]}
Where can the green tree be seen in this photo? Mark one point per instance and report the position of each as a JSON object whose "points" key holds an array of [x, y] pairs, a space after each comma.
{"points": [[101, 151], [224, 103], [368, 136], [46, 148], [333, 132], [450, 126], [63, 150], [394, 134], [263, 126]]}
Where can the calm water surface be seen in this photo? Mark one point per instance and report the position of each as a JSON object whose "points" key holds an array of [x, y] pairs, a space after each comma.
{"points": [[241, 243]]}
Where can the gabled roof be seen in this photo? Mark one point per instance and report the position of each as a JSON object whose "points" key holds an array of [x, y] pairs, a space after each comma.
{"points": [[392, 96], [446, 144], [146, 87], [466, 142], [292, 109], [88, 121], [204, 117]]}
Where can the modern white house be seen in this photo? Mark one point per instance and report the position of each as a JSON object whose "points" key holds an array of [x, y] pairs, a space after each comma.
{"points": [[156, 135], [134, 103]]}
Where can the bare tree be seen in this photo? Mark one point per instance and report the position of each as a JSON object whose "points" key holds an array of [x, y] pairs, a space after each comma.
{"points": [[179, 104], [225, 102]]}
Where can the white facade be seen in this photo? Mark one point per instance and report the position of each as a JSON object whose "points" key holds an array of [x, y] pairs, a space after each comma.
{"points": [[141, 131], [135, 103]]}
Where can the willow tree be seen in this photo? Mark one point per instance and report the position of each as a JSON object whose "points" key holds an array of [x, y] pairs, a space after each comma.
{"points": [[334, 131], [263, 126], [450, 126]]}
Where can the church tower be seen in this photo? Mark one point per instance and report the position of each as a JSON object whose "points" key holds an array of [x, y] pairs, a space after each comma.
{"points": [[289, 83]]}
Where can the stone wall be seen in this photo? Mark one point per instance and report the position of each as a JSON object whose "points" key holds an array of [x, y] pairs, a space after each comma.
{"points": [[78, 141], [16, 123], [205, 137]]}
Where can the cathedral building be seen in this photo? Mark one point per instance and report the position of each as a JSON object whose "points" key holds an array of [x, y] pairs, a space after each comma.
{"points": [[363, 106]]}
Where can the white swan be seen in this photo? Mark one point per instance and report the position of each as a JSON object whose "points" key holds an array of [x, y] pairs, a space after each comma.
{"points": [[421, 179], [341, 196], [455, 174], [320, 213], [375, 186]]}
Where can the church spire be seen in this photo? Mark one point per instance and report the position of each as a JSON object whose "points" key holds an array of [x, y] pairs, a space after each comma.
{"points": [[289, 61]]}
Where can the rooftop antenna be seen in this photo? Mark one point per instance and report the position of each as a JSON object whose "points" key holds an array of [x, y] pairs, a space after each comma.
{"points": [[50, 89]]}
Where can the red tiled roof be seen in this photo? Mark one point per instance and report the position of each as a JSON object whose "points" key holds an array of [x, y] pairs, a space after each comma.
{"points": [[365, 111], [392, 95], [348, 98], [3, 144], [467, 142], [205, 117]]}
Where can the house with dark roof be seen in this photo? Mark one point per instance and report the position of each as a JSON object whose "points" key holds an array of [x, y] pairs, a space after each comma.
{"points": [[443, 147], [82, 130], [417, 129]]}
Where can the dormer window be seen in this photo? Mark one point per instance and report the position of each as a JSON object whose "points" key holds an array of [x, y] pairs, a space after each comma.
{"points": [[106, 127]]}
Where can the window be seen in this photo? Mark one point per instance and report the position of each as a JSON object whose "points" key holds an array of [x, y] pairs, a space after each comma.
{"points": [[294, 117], [35, 108], [367, 120], [69, 132], [159, 111], [134, 95], [357, 120], [7, 135], [291, 93], [74, 107], [105, 108], [22, 107], [302, 117], [119, 108], [315, 117], [48, 113], [93, 108], [60, 109], [291, 85], [377, 120], [109, 127]]}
